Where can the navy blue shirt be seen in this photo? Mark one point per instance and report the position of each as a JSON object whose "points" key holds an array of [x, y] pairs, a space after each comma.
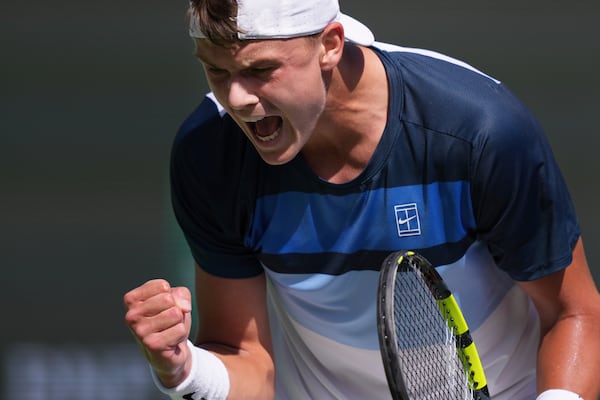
{"points": [[450, 129], [463, 174]]}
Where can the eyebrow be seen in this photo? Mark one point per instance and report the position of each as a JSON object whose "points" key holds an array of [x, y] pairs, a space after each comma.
{"points": [[251, 64]]}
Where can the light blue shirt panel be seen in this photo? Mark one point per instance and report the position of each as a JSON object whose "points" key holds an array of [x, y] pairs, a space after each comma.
{"points": [[477, 284], [343, 307], [339, 307]]}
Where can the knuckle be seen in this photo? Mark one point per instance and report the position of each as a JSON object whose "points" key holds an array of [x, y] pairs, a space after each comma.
{"points": [[152, 342], [129, 298], [147, 290], [174, 313], [167, 300], [131, 317], [160, 285]]}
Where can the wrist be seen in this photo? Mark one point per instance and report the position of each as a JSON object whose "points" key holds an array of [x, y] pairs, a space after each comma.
{"points": [[173, 377], [558, 394], [207, 378]]}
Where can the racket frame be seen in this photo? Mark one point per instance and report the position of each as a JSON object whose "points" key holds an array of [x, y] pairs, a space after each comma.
{"points": [[449, 309]]}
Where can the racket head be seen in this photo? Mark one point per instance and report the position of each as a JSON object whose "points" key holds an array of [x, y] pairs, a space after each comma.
{"points": [[386, 327], [419, 319]]}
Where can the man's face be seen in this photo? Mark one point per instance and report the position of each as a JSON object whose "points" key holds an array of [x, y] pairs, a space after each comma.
{"points": [[273, 89]]}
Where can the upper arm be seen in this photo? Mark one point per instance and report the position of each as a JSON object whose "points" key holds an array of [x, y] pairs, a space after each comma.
{"points": [[569, 307], [567, 293], [233, 323]]}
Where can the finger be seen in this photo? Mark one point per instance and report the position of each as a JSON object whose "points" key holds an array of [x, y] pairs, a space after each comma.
{"points": [[183, 298], [146, 291], [140, 314], [156, 304], [160, 322], [166, 339], [155, 314]]}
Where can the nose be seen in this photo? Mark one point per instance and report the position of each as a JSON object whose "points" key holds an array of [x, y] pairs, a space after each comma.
{"points": [[240, 95]]}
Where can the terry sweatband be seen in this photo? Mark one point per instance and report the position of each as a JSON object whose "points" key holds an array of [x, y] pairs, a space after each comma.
{"points": [[208, 378], [558, 394]]}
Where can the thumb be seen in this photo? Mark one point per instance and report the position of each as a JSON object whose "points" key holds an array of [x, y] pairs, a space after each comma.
{"points": [[183, 298]]}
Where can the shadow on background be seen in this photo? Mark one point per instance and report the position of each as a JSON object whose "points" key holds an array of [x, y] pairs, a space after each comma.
{"points": [[92, 94]]}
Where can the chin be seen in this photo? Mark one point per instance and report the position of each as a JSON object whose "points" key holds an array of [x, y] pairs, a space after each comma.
{"points": [[275, 161], [277, 158]]}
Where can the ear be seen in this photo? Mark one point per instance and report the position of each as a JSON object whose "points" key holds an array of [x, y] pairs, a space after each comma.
{"points": [[332, 46]]}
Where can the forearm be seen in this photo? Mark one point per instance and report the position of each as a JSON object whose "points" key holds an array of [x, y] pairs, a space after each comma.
{"points": [[251, 374], [569, 356], [217, 373], [233, 324]]}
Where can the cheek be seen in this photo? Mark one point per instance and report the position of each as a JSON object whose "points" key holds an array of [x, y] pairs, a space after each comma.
{"points": [[311, 101], [308, 95], [219, 90]]}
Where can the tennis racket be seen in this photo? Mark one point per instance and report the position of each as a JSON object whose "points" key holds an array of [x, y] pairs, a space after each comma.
{"points": [[427, 350]]}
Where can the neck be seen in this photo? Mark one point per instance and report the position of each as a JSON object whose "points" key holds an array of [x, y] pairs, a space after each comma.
{"points": [[354, 118]]}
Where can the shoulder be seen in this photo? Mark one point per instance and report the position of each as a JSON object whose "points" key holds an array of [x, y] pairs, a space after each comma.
{"points": [[208, 125], [212, 162], [431, 58], [212, 179], [447, 96], [209, 142]]}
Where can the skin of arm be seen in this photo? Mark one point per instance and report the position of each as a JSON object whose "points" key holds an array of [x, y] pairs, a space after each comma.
{"points": [[233, 324], [569, 307]]}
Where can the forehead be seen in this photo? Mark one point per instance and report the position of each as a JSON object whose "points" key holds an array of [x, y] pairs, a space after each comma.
{"points": [[251, 50]]}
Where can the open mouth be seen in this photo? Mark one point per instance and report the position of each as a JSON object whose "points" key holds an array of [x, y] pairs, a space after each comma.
{"points": [[266, 129]]}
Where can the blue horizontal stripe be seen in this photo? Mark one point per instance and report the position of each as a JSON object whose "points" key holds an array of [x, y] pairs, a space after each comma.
{"points": [[298, 223]]}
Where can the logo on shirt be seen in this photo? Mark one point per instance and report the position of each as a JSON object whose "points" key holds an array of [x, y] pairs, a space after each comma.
{"points": [[407, 219]]}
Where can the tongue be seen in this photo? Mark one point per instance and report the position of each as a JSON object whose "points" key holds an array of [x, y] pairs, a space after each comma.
{"points": [[267, 126]]}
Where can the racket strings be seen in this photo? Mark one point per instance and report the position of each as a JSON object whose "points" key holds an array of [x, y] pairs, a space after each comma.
{"points": [[426, 345]]}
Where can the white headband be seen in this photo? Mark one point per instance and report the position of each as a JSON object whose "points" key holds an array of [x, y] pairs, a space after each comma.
{"points": [[281, 19]]}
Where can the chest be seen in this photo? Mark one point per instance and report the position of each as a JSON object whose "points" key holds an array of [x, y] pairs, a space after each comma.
{"points": [[373, 218]]}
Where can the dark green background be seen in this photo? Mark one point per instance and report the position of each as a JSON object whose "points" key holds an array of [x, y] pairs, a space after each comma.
{"points": [[92, 93]]}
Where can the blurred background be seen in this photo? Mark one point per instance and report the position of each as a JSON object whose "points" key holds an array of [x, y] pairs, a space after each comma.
{"points": [[91, 94]]}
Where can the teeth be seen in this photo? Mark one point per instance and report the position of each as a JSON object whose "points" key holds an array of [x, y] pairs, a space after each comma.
{"points": [[252, 119], [268, 138]]}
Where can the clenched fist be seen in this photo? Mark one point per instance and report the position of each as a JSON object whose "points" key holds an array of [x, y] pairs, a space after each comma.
{"points": [[160, 318]]}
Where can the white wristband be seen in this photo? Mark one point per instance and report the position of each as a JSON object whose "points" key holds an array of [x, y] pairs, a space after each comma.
{"points": [[558, 394], [208, 378]]}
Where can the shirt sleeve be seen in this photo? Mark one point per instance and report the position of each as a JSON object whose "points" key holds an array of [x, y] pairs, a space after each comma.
{"points": [[521, 201], [209, 194]]}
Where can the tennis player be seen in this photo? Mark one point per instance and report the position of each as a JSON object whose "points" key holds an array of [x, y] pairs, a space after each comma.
{"points": [[317, 153]]}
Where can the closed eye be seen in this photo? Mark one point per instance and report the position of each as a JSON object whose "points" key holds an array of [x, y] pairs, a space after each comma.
{"points": [[261, 71], [215, 71]]}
